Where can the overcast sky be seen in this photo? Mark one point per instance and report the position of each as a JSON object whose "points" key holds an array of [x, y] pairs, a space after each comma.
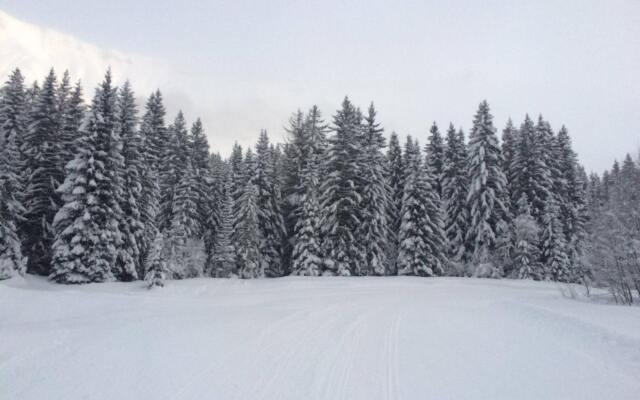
{"points": [[243, 66]]}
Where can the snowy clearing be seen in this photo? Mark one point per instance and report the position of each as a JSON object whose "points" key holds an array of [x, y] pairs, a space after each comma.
{"points": [[322, 338]]}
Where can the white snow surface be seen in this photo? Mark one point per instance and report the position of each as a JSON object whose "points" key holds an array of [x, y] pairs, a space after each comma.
{"points": [[314, 338]]}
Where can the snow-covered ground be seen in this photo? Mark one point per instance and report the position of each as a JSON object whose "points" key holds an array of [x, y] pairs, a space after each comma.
{"points": [[326, 338]]}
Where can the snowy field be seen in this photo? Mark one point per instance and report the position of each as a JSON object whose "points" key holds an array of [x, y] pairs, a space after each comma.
{"points": [[326, 338]]}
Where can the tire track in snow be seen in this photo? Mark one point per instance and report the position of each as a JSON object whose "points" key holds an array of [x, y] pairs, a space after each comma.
{"points": [[391, 346]]}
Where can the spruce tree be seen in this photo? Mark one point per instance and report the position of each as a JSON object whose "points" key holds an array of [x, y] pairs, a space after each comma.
{"points": [[13, 126], [434, 151], [133, 226], [376, 199], [487, 185], [530, 173], [183, 247], [340, 199], [224, 254], [12, 173], [70, 115], [294, 159], [41, 148], [396, 187], [154, 139], [307, 252], [454, 191], [11, 260], [510, 141], [525, 263], [422, 242], [270, 221], [246, 233], [553, 245], [172, 169], [88, 241]]}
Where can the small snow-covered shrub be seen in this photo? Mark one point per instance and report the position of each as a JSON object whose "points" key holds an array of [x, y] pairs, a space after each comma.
{"points": [[487, 270]]}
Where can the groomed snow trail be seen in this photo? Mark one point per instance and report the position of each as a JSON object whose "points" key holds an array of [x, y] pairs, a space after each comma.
{"points": [[323, 338]]}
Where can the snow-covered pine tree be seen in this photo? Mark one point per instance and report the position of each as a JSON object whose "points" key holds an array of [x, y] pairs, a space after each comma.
{"points": [[434, 152], [13, 123], [487, 185], [270, 221], [396, 186], [41, 147], [133, 228], [236, 163], [525, 228], [422, 242], [11, 260], [530, 173], [454, 191], [553, 245], [376, 199], [246, 237], [307, 251], [340, 197], [510, 141], [88, 241], [70, 115], [184, 248], [209, 185], [292, 168], [172, 169], [224, 254], [153, 137], [573, 209], [315, 132], [13, 127]]}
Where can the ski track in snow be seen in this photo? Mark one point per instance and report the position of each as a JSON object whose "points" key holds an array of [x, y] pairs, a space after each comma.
{"points": [[305, 338]]}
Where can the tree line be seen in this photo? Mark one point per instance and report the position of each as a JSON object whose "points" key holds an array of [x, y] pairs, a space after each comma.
{"points": [[92, 193]]}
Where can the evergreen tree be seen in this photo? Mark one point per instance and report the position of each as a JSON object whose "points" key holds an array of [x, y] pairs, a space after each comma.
{"points": [[573, 212], [236, 162], [454, 190], [530, 174], [70, 115], [396, 187], [307, 253], [340, 199], [42, 152], [12, 131], [421, 238], [13, 126], [11, 261], [526, 235], [246, 233], [223, 256], [183, 247], [376, 199], [486, 186], [153, 137], [270, 222], [133, 227], [88, 241], [294, 159], [172, 169], [434, 151], [510, 142], [553, 245]]}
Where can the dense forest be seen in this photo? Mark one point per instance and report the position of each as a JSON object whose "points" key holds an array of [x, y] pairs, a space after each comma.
{"points": [[102, 191]]}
